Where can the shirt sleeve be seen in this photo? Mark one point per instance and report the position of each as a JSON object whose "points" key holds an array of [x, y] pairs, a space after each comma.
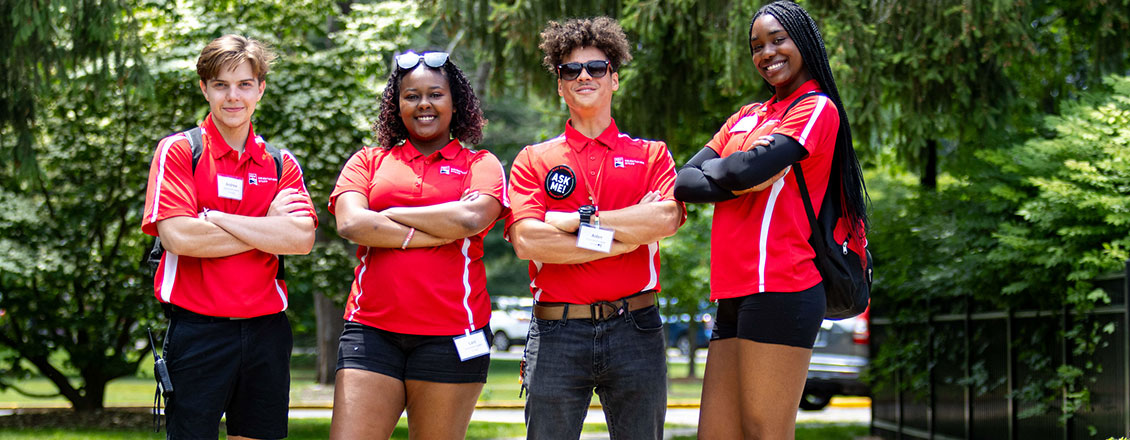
{"points": [[718, 142], [527, 199], [171, 191], [813, 123], [488, 177], [355, 176], [292, 178], [663, 175]]}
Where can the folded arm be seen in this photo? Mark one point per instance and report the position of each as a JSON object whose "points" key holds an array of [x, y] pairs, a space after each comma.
{"points": [[539, 241], [463, 218], [745, 170], [196, 237], [357, 223], [645, 222], [288, 228]]}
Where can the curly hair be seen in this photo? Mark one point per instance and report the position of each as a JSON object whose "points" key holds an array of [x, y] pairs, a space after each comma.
{"points": [[558, 40], [467, 120]]}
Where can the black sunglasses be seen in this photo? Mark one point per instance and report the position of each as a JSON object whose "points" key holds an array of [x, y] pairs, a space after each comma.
{"points": [[570, 71], [409, 60]]}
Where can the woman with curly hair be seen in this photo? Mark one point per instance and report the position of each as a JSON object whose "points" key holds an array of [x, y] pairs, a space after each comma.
{"points": [[770, 295], [418, 205]]}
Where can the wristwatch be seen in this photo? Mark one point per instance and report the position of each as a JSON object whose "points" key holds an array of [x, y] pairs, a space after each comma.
{"points": [[587, 211]]}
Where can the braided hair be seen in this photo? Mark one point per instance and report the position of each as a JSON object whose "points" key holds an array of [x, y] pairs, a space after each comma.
{"points": [[467, 119], [845, 165]]}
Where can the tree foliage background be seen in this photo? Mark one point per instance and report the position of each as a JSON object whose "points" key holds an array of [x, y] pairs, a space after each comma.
{"points": [[978, 123]]}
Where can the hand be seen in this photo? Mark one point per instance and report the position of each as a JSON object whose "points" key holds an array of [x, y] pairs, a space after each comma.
{"points": [[289, 202], [651, 196], [567, 222], [763, 185], [469, 196], [763, 141]]}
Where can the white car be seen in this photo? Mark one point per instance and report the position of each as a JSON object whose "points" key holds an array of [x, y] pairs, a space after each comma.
{"points": [[510, 321]]}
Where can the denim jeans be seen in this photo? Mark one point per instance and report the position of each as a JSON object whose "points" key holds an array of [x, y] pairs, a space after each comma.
{"points": [[622, 359]]}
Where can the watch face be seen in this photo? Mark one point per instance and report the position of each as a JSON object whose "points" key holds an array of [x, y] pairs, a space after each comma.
{"points": [[560, 182], [587, 210]]}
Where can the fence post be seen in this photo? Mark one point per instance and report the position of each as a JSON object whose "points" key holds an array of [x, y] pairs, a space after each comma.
{"points": [[1010, 372], [930, 361], [967, 390], [1126, 350], [1068, 423]]}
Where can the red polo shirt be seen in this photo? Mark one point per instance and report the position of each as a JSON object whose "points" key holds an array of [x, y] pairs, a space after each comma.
{"points": [[241, 285], [421, 291], [561, 174], [759, 241]]}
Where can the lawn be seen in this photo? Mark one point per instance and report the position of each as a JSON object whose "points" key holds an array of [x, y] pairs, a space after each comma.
{"points": [[303, 429], [501, 389]]}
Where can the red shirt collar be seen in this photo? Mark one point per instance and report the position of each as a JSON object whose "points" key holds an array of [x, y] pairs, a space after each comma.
{"points": [[808, 86], [448, 151], [219, 147], [577, 141]]}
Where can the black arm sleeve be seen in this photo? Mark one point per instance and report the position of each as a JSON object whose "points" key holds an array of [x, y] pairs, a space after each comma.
{"points": [[692, 186], [747, 169]]}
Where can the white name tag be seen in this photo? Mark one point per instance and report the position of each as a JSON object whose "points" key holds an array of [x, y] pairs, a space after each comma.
{"points": [[229, 187], [745, 124], [594, 239], [471, 345]]}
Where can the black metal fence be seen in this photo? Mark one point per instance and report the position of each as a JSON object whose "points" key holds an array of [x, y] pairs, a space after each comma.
{"points": [[969, 369]]}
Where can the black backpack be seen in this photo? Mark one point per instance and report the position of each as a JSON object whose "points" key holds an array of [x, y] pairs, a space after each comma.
{"points": [[841, 249], [152, 258]]}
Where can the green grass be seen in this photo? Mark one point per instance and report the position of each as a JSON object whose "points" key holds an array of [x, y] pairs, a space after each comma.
{"points": [[303, 429], [502, 387]]}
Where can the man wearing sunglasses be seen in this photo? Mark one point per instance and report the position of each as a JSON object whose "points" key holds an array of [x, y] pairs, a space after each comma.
{"points": [[589, 208]]}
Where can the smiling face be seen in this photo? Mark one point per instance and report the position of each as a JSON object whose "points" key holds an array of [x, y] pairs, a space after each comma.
{"points": [[426, 106], [776, 56], [232, 96], [587, 95]]}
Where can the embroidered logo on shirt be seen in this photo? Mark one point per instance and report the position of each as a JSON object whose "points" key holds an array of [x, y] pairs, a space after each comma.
{"points": [[252, 179], [447, 169], [620, 162], [560, 182]]}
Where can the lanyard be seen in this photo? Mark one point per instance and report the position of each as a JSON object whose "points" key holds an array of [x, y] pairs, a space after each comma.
{"points": [[599, 171]]}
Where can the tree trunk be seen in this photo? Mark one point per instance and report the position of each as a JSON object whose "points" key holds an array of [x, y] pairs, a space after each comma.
{"points": [[692, 336], [929, 179], [330, 325]]}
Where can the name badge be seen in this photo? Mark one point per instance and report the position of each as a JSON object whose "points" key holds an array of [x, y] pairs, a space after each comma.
{"points": [[229, 187], [745, 124], [471, 345], [594, 238]]}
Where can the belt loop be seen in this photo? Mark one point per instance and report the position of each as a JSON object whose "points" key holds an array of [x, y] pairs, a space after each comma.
{"points": [[565, 314], [593, 316], [623, 306]]}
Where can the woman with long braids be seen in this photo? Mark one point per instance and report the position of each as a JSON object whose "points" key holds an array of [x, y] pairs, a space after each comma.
{"points": [[418, 205], [770, 298]]}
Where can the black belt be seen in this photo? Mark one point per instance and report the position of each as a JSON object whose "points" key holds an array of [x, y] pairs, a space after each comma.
{"points": [[184, 314]]}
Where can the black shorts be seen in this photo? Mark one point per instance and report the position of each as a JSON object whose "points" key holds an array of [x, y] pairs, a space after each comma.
{"points": [[790, 318], [409, 357], [240, 368]]}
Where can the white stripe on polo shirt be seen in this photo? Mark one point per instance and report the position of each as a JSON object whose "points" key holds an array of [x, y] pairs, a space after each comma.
{"points": [[763, 239], [821, 102], [169, 276], [360, 288], [652, 249], [467, 281], [166, 144]]}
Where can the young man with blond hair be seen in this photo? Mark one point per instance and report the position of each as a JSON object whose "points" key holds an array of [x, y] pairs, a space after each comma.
{"points": [[226, 206]]}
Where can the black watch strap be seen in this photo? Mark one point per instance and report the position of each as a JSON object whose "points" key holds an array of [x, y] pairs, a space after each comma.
{"points": [[587, 211]]}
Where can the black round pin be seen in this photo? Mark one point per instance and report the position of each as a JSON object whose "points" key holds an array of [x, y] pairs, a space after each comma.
{"points": [[560, 182]]}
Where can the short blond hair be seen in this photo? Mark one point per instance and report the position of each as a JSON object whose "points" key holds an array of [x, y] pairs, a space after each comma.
{"points": [[230, 51]]}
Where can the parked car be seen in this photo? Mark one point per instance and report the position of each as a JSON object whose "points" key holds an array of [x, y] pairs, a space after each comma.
{"points": [[510, 321], [678, 331], [841, 352]]}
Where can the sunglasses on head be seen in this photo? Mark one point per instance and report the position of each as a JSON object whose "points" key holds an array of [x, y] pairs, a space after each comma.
{"points": [[409, 60], [570, 71]]}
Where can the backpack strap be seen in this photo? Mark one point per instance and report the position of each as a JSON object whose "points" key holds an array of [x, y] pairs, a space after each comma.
{"points": [[276, 154], [196, 142], [817, 235]]}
